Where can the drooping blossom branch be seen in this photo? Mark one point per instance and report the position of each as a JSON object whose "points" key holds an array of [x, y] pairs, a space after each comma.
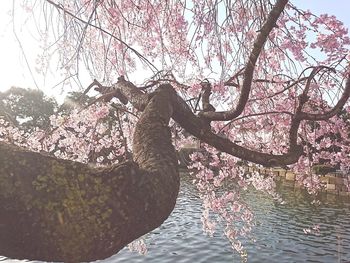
{"points": [[250, 65]]}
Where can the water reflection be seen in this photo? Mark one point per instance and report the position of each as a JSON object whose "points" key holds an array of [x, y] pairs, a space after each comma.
{"points": [[278, 233]]}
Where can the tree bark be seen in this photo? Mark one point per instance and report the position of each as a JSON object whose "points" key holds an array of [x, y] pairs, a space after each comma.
{"points": [[59, 210]]}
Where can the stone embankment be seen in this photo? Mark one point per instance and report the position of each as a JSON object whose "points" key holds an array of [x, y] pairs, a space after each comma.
{"points": [[332, 182]]}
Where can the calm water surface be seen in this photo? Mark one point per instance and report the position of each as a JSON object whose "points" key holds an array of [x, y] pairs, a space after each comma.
{"points": [[278, 232]]}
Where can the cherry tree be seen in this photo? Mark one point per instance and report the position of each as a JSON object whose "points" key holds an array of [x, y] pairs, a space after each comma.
{"points": [[260, 81]]}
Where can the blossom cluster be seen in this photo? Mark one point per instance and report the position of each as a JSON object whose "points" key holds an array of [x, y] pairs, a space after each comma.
{"points": [[83, 135]]}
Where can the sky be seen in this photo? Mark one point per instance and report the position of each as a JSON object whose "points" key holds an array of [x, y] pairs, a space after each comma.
{"points": [[13, 64]]}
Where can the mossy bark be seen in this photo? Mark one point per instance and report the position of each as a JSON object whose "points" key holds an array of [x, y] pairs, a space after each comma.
{"points": [[59, 210]]}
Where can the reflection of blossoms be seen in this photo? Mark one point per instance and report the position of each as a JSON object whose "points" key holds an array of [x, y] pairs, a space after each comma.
{"points": [[265, 184], [312, 183], [139, 246], [314, 230], [347, 182]]}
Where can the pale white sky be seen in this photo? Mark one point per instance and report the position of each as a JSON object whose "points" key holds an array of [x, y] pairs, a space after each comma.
{"points": [[14, 70], [13, 66]]}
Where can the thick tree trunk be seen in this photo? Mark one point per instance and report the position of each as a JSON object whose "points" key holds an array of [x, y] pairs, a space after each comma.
{"points": [[58, 210]]}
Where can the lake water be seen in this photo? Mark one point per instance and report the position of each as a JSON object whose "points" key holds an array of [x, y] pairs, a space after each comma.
{"points": [[279, 232]]}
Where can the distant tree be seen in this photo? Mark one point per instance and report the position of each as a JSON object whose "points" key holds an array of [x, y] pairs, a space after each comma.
{"points": [[27, 108], [75, 99]]}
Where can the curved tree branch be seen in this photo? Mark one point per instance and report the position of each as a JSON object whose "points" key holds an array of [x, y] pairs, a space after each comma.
{"points": [[255, 115], [200, 128], [289, 86], [329, 114], [299, 115], [250, 66]]}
